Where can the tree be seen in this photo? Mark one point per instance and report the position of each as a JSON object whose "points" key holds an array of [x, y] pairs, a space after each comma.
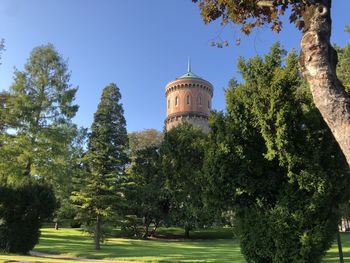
{"points": [[343, 71], [106, 158], [147, 194], [318, 58], [37, 116], [143, 139], [73, 165], [183, 155], [24, 208], [272, 145]]}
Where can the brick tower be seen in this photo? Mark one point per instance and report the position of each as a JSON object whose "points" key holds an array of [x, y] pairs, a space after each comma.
{"points": [[188, 100]]}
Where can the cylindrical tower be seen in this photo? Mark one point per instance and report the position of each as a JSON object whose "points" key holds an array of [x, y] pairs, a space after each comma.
{"points": [[188, 100]]}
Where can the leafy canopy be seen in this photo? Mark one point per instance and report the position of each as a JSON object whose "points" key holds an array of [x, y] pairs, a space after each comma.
{"points": [[266, 161]]}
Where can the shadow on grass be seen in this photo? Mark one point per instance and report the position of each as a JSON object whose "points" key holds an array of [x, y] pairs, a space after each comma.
{"points": [[72, 242]]}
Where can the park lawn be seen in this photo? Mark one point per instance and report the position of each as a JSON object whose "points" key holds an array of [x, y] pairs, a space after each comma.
{"points": [[332, 254], [11, 257], [72, 242]]}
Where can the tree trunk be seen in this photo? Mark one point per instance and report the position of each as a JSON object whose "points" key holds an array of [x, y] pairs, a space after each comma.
{"points": [[318, 64], [145, 228], [187, 231], [98, 233], [154, 228]]}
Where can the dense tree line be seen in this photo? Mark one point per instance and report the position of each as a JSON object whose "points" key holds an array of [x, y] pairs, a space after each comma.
{"points": [[262, 163]]}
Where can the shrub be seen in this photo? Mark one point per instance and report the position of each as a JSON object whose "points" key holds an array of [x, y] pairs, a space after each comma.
{"points": [[23, 209]]}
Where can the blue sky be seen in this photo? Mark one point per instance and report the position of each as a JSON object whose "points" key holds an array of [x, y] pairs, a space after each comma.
{"points": [[140, 45]]}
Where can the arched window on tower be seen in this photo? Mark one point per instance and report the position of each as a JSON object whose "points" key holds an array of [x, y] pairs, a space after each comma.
{"points": [[199, 100], [176, 100], [188, 99], [168, 104], [208, 104]]}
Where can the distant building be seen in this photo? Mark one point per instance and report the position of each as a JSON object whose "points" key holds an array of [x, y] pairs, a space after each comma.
{"points": [[188, 100]]}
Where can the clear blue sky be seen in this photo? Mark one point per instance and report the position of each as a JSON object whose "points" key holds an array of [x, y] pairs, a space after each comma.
{"points": [[140, 45]]}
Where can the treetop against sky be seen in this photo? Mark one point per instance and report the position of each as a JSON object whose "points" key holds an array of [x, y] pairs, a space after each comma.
{"points": [[139, 45]]}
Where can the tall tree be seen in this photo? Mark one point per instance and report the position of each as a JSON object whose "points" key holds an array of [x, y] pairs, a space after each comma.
{"points": [[272, 145], [106, 160], [183, 155], [147, 193], [318, 58], [41, 108]]}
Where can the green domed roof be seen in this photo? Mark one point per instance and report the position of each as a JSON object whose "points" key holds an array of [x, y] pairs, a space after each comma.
{"points": [[189, 74]]}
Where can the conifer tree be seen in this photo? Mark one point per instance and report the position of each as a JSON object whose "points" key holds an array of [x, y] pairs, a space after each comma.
{"points": [[105, 161]]}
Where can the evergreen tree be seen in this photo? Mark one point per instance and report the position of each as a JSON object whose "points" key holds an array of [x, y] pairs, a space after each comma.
{"points": [[105, 163], [270, 149]]}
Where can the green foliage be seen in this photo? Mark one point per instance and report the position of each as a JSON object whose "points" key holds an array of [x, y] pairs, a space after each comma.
{"points": [[37, 120], [250, 14], [270, 149], [183, 155], [23, 209], [131, 226], [144, 139], [98, 192], [147, 195], [75, 169], [343, 69], [347, 29]]}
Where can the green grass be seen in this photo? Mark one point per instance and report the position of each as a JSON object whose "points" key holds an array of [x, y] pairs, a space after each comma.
{"points": [[332, 254], [72, 242]]}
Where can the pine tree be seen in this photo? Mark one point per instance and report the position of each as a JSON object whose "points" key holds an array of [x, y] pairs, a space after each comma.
{"points": [[105, 162]]}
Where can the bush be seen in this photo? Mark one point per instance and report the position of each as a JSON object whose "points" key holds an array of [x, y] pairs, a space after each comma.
{"points": [[23, 209]]}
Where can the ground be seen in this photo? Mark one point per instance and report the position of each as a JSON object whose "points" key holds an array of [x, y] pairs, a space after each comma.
{"points": [[221, 247]]}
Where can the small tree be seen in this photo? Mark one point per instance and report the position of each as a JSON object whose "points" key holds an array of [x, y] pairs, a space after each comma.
{"points": [[23, 209], [105, 162]]}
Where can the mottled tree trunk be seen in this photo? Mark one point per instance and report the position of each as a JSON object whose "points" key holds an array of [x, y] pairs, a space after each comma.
{"points": [[98, 233], [318, 62]]}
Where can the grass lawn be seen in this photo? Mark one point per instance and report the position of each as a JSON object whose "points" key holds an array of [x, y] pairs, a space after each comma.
{"points": [[73, 242]]}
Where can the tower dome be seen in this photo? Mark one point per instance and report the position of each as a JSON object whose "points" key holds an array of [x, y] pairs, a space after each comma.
{"points": [[188, 100]]}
